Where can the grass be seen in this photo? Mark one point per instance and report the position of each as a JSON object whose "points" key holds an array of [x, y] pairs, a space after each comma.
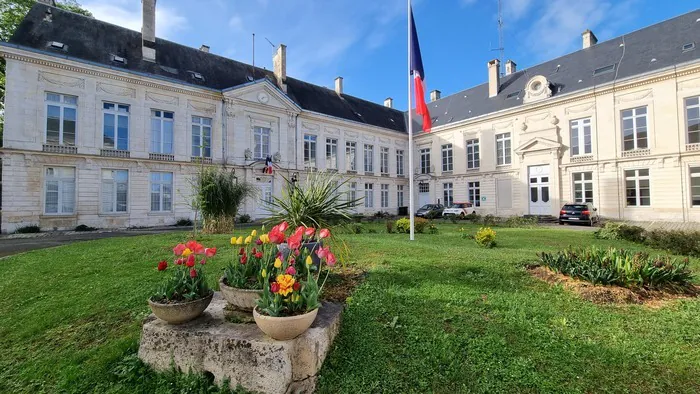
{"points": [[437, 315]]}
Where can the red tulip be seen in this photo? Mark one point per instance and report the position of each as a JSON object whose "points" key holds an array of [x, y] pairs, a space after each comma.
{"points": [[324, 233], [323, 252], [330, 260], [297, 252], [275, 287], [283, 226], [294, 240], [190, 261], [179, 261], [291, 260], [290, 270], [254, 250], [259, 255], [199, 249], [179, 249], [296, 286], [202, 261], [241, 251], [309, 232], [193, 273], [191, 245], [258, 242], [162, 265], [244, 259], [276, 236], [210, 252]]}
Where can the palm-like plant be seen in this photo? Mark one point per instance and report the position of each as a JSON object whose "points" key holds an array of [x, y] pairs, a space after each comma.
{"points": [[220, 195], [319, 202]]}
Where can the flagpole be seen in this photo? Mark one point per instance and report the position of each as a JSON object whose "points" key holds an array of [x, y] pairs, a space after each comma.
{"points": [[411, 211]]}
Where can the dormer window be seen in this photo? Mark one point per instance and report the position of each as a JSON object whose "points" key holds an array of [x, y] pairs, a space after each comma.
{"points": [[57, 45], [604, 70], [118, 59], [688, 47], [197, 76]]}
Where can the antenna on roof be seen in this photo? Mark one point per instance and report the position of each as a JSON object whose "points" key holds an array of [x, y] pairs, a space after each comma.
{"points": [[253, 56], [271, 44], [501, 48]]}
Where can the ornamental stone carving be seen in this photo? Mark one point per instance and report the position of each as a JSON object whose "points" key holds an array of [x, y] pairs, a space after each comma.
{"points": [[537, 88], [61, 80], [248, 154], [277, 157]]}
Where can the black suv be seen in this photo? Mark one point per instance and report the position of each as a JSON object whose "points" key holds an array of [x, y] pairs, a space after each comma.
{"points": [[430, 211], [579, 213]]}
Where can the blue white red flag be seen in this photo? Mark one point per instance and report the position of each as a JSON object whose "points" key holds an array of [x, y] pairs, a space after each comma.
{"points": [[418, 77]]}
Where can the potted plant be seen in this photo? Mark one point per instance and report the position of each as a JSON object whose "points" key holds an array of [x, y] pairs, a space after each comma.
{"points": [[290, 298], [185, 295]]}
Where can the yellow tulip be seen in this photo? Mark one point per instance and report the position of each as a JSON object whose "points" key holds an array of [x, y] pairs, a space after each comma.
{"points": [[278, 263], [264, 273], [265, 238], [233, 240], [239, 241], [248, 239], [186, 252], [309, 261], [254, 233]]}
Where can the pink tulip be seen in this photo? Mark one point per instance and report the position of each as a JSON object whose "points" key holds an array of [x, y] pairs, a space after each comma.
{"points": [[210, 252], [323, 252], [291, 271], [324, 233], [179, 249], [309, 232], [330, 260]]}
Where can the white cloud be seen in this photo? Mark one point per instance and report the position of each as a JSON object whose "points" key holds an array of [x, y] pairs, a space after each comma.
{"points": [[127, 13], [514, 10]]}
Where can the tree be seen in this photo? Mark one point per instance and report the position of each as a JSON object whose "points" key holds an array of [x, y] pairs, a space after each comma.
{"points": [[11, 14]]}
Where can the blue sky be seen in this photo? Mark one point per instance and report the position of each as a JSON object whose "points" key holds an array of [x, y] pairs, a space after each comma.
{"points": [[365, 40]]}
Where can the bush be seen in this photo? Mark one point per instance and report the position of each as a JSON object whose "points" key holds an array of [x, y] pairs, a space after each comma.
{"points": [[674, 241], [489, 220], [520, 221], [184, 222], [389, 227], [404, 225], [30, 229], [357, 228], [621, 267], [245, 218], [432, 229], [485, 237], [219, 194], [474, 217], [82, 227], [615, 230]]}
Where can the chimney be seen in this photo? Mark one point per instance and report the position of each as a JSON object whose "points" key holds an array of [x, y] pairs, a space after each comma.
{"points": [[389, 102], [434, 95], [494, 77], [204, 48], [339, 85], [148, 30], [279, 64], [510, 67], [589, 39]]}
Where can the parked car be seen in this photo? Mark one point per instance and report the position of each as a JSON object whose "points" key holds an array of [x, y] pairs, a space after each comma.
{"points": [[430, 211], [458, 209], [579, 213]]}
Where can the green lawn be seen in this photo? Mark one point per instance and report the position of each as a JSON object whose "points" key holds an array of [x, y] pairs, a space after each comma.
{"points": [[435, 315]]}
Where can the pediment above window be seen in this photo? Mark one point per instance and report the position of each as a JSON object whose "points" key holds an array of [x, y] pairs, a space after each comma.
{"points": [[538, 144], [537, 88], [261, 93]]}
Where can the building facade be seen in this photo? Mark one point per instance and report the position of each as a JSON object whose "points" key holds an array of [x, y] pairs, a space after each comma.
{"points": [[109, 134]]}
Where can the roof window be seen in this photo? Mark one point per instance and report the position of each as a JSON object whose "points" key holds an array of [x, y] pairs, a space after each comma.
{"points": [[57, 45], [197, 76], [688, 47], [118, 59], [513, 95], [604, 70]]}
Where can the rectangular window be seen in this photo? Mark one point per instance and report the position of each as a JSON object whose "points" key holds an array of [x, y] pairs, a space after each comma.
{"points": [[369, 195], [472, 154], [61, 119], [384, 195], [583, 187], [447, 194], [637, 186], [634, 129], [161, 191], [692, 118], [350, 156], [261, 137], [115, 190], [474, 193], [352, 191], [399, 162], [115, 126], [503, 149], [580, 136], [425, 161], [332, 153], [447, 162], [59, 189], [161, 131], [695, 186], [201, 136], [369, 158], [423, 187], [310, 150], [384, 160], [399, 195]]}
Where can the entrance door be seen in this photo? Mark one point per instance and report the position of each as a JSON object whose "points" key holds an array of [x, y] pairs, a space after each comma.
{"points": [[265, 198], [540, 203], [423, 194]]}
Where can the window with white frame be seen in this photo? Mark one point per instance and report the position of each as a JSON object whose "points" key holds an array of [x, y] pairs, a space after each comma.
{"points": [[695, 186], [634, 129], [503, 149], [472, 153], [637, 187], [332, 153], [692, 119], [399, 195], [201, 136], [161, 191], [369, 195], [261, 139], [115, 191], [447, 194], [351, 156], [399, 162], [425, 161], [384, 196], [583, 187], [115, 126], [310, 150], [369, 158], [384, 160], [474, 193], [580, 136], [447, 160], [59, 191], [61, 119], [162, 131], [352, 191], [423, 187]]}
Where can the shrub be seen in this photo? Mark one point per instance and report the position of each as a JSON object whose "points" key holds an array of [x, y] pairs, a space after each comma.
{"points": [[485, 237], [82, 227], [184, 222], [474, 217], [489, 220], [219, 195], [389, 227], [381, 214], [245, 218], [357, 228], [674, 241], [432, 229], [404, 225], [520, 221], [30, 229], [621, 267], [615, 230], [371, 231]]}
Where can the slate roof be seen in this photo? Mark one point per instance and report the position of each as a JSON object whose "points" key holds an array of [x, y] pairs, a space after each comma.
{"points": [[662, 41], [95, 41]]}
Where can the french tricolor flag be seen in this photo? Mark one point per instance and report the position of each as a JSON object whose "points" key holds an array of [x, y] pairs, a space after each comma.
{"points": [[418, 77]]}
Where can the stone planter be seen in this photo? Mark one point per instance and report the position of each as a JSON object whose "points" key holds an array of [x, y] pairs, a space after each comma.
{"points": [[243, 299], [182, 312], [284, 328], [312, 247]]}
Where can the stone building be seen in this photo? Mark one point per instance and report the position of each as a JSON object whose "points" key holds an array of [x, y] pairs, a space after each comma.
{"points": [[105, 127]]}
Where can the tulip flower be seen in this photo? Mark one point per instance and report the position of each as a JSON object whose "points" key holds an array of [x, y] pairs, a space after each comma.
{"points": [[179, 249], [324, 233], [283, 226], [290, 270], [254, 233], [264, 273], [193, 273], [278, 263], [309, 260], [259, 255], [330, 259], [248, 240], [241, 251], [239, 241], [162, 265], [322, 252], [244, 259], [233, 240], [202, 261], [296, 286], [309, 232], [186, 252], [210, 252], [190, 261], [199, 249], [274, 287], [191, 245], [259, 241]]}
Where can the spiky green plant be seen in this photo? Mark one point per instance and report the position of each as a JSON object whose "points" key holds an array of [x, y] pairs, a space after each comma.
{"points": [[220, 195]]}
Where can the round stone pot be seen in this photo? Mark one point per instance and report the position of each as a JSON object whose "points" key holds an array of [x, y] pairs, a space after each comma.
{"points": [[312, 247], [243, 299], [284, 328], [178, 313]]}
